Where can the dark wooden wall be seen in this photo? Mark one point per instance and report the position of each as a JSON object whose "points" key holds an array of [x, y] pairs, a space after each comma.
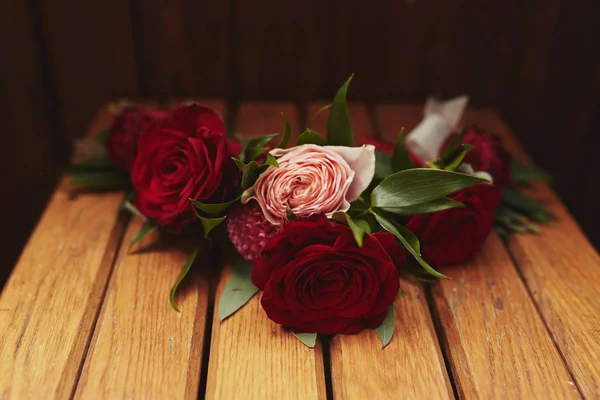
{"points": [[535, 61]]}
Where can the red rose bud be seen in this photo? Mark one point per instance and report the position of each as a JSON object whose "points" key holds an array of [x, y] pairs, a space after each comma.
{"points": [[185, 156], [249, 230], [453, 236], [487, 155], [124, 134], [316, 278]]}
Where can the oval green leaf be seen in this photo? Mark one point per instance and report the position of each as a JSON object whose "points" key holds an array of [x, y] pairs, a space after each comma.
{"points": [[415, 186], [238, 289], [410, 247], [309, 339], [310, 137], [385, 331], [429, 207]]}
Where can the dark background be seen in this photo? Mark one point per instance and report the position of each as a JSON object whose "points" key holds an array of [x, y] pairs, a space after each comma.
{"points": [[536, 61]]}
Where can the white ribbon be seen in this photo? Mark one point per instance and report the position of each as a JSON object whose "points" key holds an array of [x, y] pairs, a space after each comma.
{"points": [[441, 119]]}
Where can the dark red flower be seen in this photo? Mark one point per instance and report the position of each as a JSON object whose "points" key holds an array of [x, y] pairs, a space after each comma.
{"points": [[249, 230], [124, 134], [487, 155], [316, 278], [185, 156], [455, 235]]}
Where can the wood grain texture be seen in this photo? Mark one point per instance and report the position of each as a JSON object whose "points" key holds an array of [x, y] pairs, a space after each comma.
{"points": [[411, 366], [497, 343], [184, 47], [50, 302], [142, 348], [561, 270], [251, 356]]}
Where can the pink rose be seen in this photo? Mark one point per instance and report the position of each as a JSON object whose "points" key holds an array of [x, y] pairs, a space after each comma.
{"points": [[313, 180]]}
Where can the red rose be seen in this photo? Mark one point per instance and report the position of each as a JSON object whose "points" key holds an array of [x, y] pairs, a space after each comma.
{"points": [[487, 155], [455, 235], [124, 133], [185, 156], [315, 278]]}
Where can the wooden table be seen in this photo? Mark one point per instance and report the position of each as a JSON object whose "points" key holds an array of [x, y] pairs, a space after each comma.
{"points": [[82, 317]]}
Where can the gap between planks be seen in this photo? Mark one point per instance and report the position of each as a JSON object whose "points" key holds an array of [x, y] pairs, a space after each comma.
{"points": [[60, 277], [249, 353]]}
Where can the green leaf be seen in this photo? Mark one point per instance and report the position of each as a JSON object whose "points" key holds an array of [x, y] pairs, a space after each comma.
{"points": [[455, 143], [210, 223], [400, 159], [271, 161], [102, 136], [452, 165], [213, 209], [517, 200], [114, 180], [385, 331], [290, 214], [238, 289], [319, 111], [406, 242], [287, 132], [513, 221], [429, 207], [184, 271], [128, 205], [414, 186], [249, 174], [310, 137], [92, 165], [146, 229], [339, 129], [410, 237], [383, 164], [358, 228], [521, 173], [239, 163], [260, 141], [255, 152], [309, 339]]}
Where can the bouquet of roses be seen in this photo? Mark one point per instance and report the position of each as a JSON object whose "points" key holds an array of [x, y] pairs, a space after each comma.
{"points": [[324, 228]]}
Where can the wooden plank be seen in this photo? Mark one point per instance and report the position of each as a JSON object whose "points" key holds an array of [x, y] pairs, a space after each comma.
{"points": [[142, 348], [488, 317], [250, 355], [184, 47], [411, 366], [49, 305], [27, 167], [561, 270], [496, 341]]}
